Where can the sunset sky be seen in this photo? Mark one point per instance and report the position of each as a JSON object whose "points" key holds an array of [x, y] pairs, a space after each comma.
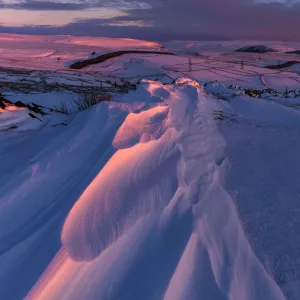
{"points": [[155, 19]]}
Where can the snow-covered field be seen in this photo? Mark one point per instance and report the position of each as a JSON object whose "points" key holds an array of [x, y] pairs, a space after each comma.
{"points": [[183, 186]]}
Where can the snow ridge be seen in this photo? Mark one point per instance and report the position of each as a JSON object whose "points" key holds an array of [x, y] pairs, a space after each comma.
{"points": [[156, 222]]}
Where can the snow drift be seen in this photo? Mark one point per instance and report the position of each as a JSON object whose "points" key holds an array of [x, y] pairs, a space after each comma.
{"points": [[156, 223]]}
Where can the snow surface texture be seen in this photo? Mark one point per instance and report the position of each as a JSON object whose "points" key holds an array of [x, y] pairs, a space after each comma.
{"points": [[18, 119], [156, 223]]}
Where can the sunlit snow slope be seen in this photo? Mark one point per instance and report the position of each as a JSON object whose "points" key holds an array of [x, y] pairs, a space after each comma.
{"points": [[156, 223]]}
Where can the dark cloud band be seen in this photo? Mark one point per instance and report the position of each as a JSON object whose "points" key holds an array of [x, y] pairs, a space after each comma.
{"points": [[183, 19]]}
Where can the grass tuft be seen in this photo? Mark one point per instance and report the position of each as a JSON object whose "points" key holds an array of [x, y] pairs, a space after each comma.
{"points": [[81, 103]]}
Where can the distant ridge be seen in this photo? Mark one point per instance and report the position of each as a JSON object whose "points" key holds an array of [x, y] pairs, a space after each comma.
{"points": [[294, 52], [256, 49]]}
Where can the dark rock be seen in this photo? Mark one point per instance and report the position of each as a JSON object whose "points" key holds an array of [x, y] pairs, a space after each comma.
{"points": [[2, 104], [20, 104], [34, 117]]}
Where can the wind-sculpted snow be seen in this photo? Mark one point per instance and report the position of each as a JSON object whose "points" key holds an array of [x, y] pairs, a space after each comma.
{"points": [[156, 223], [43, 171], [130, 187], [142, 127]]}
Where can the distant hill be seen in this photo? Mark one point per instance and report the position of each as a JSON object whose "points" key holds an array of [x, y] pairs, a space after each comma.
{"points": [[256, 49], [294, 52], [284, 65]]}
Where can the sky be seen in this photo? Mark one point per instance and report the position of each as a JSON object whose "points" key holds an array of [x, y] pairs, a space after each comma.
{"points": [[155, 19]]}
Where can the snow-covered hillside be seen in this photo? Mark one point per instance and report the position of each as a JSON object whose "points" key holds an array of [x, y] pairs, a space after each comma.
{"points": [[52, 52], [179, 183]]}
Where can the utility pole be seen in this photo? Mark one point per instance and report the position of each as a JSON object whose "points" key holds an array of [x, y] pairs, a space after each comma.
{"points": [[190, 64]]}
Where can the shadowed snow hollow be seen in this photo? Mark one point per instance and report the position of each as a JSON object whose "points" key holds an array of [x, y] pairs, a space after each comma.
{"points": [[156, 222]]}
